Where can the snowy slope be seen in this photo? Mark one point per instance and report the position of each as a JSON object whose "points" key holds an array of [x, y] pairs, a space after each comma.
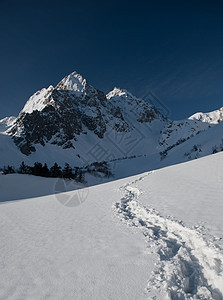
{"points": [[120, 240], [190, 192], [37, 101], [18, 186], [177, 132], [178, 211], [205, 143], [6, 123], [213, 117], [60, 252]]}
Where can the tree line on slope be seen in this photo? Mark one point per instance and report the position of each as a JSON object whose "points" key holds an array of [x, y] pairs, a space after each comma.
{"points": [[98, 169]]}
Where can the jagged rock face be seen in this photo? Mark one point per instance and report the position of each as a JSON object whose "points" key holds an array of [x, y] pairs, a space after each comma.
{"points": [[134, 108], [58, 115], [42, 126]]}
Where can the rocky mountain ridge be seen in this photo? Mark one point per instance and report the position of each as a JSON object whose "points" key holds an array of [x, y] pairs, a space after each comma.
{"points": [[213, 117], [62, 115], [78, 123]]}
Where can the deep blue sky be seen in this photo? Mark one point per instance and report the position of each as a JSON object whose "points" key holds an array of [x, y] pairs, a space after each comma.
{"points": [[172, 48]]}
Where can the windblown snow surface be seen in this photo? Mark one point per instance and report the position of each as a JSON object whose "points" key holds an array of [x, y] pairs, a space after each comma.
{"points": [[157, 235]]}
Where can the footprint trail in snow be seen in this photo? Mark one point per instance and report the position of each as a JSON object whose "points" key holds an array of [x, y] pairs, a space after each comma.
{"points": [[189, 266]]}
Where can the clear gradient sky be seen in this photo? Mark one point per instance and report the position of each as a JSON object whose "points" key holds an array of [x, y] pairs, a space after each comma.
{"points": [[172, 48]]}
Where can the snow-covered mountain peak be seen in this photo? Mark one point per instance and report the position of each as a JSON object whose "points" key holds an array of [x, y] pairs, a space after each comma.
{"points": [[119, 93], [72, 82], [213, 117], [38, 100], [75, 113]]}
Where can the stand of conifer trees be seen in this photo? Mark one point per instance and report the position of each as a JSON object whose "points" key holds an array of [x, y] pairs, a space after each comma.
{"points": [[99, 169]]}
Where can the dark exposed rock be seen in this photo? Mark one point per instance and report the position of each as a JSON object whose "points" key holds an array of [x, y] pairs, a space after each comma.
{"points": [[60, 114]]}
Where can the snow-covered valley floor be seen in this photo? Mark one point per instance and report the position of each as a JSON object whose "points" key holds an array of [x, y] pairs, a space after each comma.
{"points": [[157, 235]]}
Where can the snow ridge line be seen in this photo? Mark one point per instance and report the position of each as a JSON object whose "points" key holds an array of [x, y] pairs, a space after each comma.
{"points": [[188, 267]]}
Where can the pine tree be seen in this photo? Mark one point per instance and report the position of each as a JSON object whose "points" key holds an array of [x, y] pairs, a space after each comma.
{"points": [[55, 170], [8, 170], [45, 171], [37, 169], [24, 169], [67, 172]]}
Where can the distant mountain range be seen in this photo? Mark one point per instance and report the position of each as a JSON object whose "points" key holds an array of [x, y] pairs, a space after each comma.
{"points": [[77, 123]]}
